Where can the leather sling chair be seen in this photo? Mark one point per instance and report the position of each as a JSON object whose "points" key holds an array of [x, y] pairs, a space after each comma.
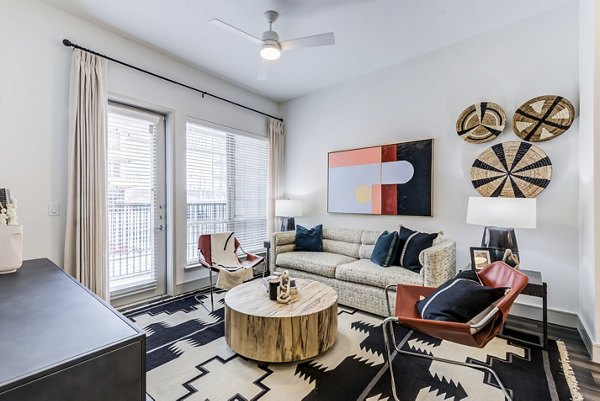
{"points": [[497, 274], [246, 261]]}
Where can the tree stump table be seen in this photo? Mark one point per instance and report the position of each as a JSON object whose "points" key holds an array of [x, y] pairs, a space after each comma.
{"points": [[267, 331]]}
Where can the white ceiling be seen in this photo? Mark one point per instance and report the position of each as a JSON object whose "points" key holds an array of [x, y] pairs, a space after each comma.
{"points": [[370, 34]]}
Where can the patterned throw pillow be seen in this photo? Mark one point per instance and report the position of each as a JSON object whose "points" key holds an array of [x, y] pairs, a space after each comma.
{"points": [[386, 249], [309, 240], [411, 245]]}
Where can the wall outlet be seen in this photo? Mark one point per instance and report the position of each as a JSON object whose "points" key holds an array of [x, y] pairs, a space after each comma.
{"points": [[53, 209]]}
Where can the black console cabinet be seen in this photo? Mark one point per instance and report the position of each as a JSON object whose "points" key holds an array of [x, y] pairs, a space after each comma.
{"points": [[60, 342]]}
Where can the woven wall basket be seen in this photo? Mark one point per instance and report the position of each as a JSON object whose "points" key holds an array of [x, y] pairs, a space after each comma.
{"points": [[511, 169], [481, 122], [543, 118]]}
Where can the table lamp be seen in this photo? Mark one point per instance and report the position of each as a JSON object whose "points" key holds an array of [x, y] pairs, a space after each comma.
{"points": [[287, 209], [501, 216]]}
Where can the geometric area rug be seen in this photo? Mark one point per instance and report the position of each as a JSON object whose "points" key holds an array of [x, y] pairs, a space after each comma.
{"points": [[188, 359]]}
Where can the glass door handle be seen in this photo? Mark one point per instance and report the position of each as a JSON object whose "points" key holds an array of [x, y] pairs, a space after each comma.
{"points": [[160, 228]]}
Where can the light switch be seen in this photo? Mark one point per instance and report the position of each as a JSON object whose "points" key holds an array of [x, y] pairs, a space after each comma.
{"points": [[53, 209]]}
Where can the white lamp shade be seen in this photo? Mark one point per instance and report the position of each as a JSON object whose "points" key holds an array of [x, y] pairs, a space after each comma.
{"points": [[502, 212], [288, 208]]}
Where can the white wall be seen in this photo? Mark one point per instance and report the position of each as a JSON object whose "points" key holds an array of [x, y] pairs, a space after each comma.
{"points": [[589, 176], [422, 98], [34, 87]]}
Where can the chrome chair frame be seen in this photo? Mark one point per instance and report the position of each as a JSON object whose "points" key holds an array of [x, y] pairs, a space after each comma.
{"points": [[388, 331]]}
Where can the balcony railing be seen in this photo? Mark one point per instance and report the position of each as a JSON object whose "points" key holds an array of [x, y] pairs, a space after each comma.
{"points": [[131, 236], [204, 218], [130, 241], [208, 218]]}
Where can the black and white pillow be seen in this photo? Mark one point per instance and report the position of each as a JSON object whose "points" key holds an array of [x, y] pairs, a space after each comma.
{"points": [[411, 244], [459, 300], [469, 274]]}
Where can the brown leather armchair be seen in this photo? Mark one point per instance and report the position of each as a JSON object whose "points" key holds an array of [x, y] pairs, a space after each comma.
{"points": [[497, 274]]}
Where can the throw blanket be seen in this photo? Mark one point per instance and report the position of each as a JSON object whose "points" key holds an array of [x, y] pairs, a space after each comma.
{"points": [[224, 258]]}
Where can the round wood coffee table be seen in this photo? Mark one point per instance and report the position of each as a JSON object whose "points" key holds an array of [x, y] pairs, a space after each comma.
{"points": [[267, 331]]}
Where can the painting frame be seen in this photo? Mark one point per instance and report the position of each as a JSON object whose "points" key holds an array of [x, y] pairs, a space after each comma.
{"points": [[394, 179], [480, 252]]}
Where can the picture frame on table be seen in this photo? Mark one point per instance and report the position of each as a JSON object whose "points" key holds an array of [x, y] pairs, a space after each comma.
{"points": [[480, 257]]}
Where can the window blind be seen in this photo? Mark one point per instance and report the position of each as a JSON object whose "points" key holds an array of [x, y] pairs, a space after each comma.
{"points": [[131, 173], [226, 182]]}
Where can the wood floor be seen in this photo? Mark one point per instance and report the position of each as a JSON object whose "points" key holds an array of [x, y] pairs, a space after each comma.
{"points": [[587, 373]]}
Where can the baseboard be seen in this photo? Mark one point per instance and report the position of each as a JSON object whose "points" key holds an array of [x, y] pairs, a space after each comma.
{"points": [[592, 348], [554, 316]]}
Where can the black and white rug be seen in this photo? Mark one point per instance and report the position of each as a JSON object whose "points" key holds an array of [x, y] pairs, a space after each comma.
{"points": [[188, 359]]}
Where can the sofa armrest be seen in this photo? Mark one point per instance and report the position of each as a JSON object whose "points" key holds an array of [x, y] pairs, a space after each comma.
{"points": [[439, 263], [280, 242]]}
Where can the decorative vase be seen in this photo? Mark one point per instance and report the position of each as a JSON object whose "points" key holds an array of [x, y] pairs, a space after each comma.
{"points": [[11, 248]]}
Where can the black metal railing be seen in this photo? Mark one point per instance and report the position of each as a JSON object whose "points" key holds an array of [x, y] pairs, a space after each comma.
{"points": [[132, 228]]}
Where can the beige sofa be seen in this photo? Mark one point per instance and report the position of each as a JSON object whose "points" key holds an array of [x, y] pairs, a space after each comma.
{"points": [[345, 265]]}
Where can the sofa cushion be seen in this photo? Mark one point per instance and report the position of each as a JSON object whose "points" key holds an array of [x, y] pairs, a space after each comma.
{"points": [[363, 271], [370, 237], [365, 251], [341, 247], [321, 263], [284, 238], [343, 234]]}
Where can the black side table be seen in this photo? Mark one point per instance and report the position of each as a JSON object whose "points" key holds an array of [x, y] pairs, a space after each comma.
{"points": [[536, 287]]}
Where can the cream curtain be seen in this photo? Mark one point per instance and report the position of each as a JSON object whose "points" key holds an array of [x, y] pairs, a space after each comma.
{"points": [[276, 154], [86, 232]]}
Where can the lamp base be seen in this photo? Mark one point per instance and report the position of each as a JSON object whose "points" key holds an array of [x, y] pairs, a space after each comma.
{"points": [[499, 239], [288, 224]]}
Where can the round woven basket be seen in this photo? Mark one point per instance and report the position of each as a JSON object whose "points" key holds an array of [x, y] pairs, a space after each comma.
{"points": [[481, 122], [543, 118], [511, 169]]}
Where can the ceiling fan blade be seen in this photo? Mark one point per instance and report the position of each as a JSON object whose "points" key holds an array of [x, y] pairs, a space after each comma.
{"points": [[323, 39], [233, 29], [263, 70]]}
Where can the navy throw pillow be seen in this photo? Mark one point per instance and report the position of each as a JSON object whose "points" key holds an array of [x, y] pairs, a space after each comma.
{"points": [[386, 249], [469, 275], [309, 240], [411, 245], [458, 300]]}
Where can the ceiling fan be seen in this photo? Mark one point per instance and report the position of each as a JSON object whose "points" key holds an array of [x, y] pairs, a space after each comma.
{"points": [[271, 46]]}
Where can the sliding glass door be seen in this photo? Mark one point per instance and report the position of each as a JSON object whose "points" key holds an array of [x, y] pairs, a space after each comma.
{"points": [[136, 204]]}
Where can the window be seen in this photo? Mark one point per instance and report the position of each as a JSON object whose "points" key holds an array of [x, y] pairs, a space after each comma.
{"points": [[226, 183]]}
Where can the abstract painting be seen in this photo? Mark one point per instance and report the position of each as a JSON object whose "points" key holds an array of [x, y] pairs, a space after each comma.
{"points": [[384, 180]]}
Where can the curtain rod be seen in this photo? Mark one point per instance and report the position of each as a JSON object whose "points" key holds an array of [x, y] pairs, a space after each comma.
{"points": [[68, 43]]}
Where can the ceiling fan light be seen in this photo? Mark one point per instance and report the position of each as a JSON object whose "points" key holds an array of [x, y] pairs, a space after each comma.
{"points": [[270, 51]]}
